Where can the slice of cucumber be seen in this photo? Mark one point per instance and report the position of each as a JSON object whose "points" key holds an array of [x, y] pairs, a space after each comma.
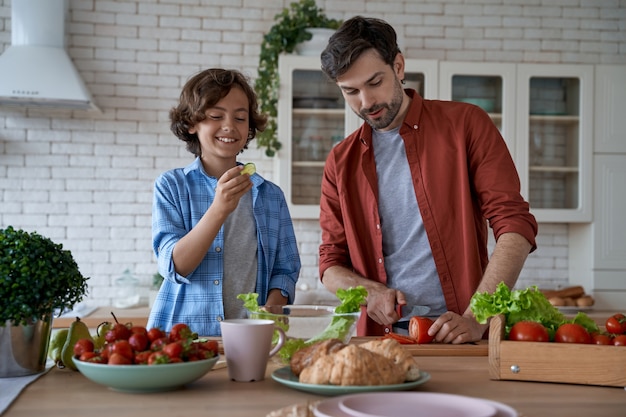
{"points": [[248, 168]]}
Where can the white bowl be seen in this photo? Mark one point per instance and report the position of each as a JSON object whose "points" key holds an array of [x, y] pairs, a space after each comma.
{"points": [[308, 321], [146, 378]]}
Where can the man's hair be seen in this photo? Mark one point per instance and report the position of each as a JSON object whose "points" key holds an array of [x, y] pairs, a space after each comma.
{"points": [[202, 92], [354, 37]]}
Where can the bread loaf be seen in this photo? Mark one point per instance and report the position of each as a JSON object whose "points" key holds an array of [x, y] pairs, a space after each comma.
{"points": [[351, 366]]}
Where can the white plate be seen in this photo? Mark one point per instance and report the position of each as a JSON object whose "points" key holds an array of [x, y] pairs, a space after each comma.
{"points": [[397, 404]]}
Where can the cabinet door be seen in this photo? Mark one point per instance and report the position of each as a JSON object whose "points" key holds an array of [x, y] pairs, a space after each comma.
{"points": [[554, 143], [610, 106], [490, 86], [311, 119]]}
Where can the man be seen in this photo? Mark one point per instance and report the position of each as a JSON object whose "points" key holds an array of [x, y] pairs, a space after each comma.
{"points": [[406, 197]]}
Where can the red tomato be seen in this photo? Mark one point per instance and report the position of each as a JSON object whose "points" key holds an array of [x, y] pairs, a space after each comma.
{"points": [[619, 340], [180, 331], [529, 331], [83, 346], [616, 324], [601, 339], [403, 340], [572, 333], [418, 329]]}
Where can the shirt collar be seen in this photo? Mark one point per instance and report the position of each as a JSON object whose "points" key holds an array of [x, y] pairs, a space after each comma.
{"points": [[411, 120]]}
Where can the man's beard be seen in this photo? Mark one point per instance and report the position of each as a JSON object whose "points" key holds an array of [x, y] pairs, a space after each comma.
{"points": [[393, 108]]}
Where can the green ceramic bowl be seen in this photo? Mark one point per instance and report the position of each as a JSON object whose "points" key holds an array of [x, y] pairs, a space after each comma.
{"points": [[146, 378], [487, 104]]}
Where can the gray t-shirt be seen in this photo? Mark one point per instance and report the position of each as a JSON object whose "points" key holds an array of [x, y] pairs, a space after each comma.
{"points": [[240, 257], [408, 258]]}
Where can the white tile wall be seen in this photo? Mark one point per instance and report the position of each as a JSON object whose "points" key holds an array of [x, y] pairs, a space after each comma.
{"points": [[85, 180]]}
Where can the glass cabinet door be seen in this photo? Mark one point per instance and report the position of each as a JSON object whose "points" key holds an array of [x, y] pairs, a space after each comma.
{"points": [[555, 127], [311, 120], [489, 86]]}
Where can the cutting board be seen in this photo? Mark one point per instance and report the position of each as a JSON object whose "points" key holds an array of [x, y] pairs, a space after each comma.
{"points": [[480, 348]]}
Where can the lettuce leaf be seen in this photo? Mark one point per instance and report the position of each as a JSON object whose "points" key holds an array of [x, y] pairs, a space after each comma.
{"points": [[527, 304], [350, 299]]}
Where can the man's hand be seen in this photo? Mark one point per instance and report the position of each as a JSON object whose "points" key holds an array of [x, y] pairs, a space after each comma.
{"points": [[453, 328], [381, 304]]}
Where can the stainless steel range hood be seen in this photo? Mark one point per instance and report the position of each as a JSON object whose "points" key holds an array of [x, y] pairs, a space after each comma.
{"points": [[36, 70]]}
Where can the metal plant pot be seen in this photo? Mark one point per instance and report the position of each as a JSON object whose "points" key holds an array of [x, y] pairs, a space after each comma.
{"points": [[24, 349]]}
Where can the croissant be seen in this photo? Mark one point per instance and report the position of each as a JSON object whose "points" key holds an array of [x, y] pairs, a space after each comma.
{"points": [[353, 365], [307, 356], [391, 349]]}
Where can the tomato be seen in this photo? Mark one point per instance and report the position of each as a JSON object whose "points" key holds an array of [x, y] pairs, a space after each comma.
{"points": [[616, 324], [180, 331], [619, 340], [529, 331], [403, 340], [572, 333], [418, 329], [139, 329], [601, 339]]}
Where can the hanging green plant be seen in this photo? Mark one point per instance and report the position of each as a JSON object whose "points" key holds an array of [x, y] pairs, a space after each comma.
{"points": [[289, 30]]}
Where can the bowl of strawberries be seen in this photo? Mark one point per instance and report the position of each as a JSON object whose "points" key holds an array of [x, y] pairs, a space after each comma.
{"points": [[134, 359]]}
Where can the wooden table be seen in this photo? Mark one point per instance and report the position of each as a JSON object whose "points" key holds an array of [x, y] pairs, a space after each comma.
{"points": [[65, 393], [137, 316]]}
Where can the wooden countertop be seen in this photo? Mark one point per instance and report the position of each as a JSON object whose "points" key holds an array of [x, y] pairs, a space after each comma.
{"points": [[138, 316], [65, 393]]}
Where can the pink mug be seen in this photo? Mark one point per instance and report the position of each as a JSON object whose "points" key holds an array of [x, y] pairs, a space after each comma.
{"points": [[248, 347]]}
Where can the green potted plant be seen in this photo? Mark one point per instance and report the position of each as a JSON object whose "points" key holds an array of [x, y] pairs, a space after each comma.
{"points": [[290, 30], [37, 277]]}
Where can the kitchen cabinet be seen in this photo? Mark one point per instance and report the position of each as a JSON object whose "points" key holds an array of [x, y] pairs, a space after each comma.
{"points": [[490, 86], [312, 118], [544, 114], [597, 249], [555, 142]]}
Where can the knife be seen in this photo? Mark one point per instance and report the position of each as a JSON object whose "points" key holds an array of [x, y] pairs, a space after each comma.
{"points": [[406, 311]]}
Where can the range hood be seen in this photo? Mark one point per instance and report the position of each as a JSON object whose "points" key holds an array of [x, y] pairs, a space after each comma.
{"points": [[36, 70]]}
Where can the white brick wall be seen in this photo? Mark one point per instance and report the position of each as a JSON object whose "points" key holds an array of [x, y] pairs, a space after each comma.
{"points": [[85, 180]]}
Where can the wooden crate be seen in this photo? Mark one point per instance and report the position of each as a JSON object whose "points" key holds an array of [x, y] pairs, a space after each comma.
{"points": [[554, 362]]}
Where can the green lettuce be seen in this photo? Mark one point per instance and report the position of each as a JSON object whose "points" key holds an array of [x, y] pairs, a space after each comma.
{"points": [[527, 304], [350, 299]]}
